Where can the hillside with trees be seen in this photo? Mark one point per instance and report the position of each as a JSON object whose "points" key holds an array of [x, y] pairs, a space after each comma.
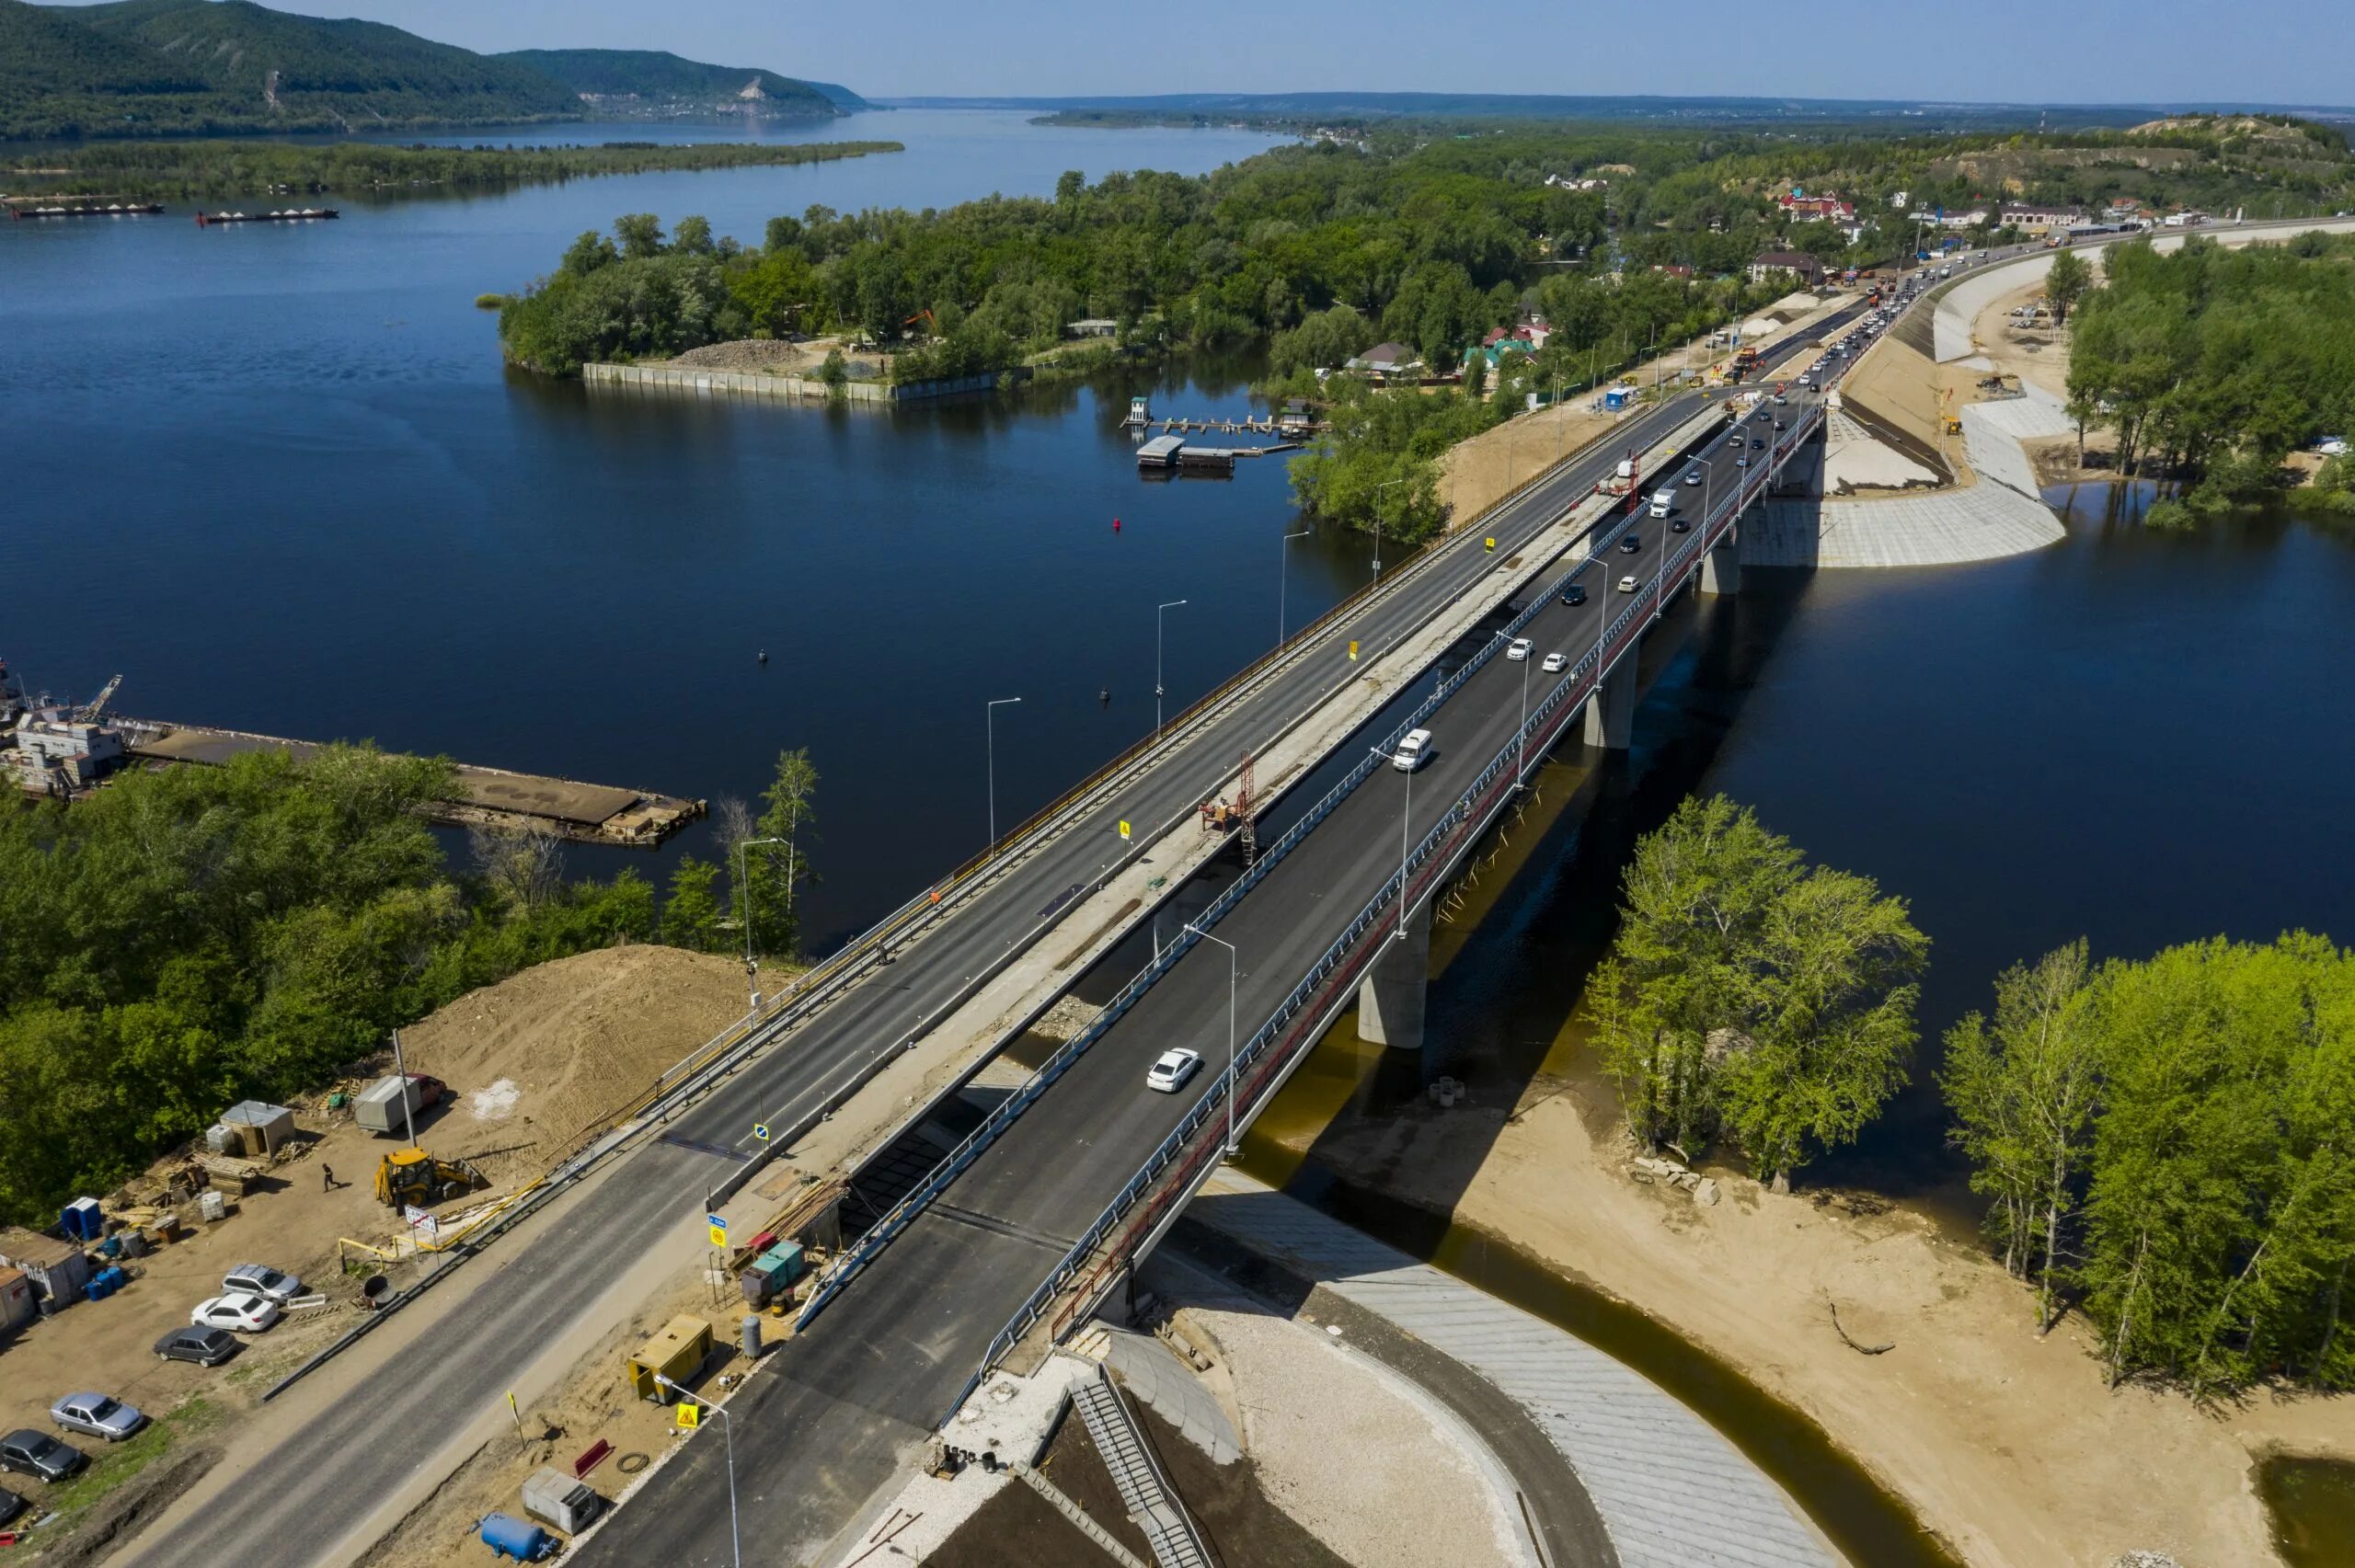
{"points": [[655, 82]]}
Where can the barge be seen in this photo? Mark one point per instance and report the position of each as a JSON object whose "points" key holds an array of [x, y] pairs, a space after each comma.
{"points": [[291, 215], [80, 207]]}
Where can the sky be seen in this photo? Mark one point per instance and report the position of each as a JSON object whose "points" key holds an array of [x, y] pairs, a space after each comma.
{"points": [[2278, 52]]}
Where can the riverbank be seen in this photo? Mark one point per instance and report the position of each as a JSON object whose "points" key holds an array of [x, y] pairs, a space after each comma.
{"points": [[2007, 1445]]}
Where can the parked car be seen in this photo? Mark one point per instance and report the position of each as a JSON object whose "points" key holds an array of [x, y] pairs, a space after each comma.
{"points": [[1518, 648], [96, 1416], [1555, 663], [1170, 1073], [10, 1505], [1574, 595], [206, 1348], [1627, 584], [247, 1314], [38, 1454], [260, 1279]]}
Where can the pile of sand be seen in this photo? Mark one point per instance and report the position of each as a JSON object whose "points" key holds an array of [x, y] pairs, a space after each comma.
{"points": [[540, 1055]]}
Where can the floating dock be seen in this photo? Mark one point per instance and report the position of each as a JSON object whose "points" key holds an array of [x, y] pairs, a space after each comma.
{"points": [[484, 797], [291, 215]]}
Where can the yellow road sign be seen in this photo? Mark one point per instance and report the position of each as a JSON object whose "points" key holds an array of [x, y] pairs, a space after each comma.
{"points": [[1492, 541], [1124, 830], [720, 1235], [690, 1415], [1353, 651]]}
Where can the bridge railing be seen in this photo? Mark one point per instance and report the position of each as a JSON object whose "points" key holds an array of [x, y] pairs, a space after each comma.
{"points": [[1340, 965]]}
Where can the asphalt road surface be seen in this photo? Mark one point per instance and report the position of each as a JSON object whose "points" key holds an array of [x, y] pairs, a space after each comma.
{"points": [[818, 1433]]}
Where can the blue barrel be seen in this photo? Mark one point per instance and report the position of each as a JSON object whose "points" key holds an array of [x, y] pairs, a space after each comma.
{"points": [[508, 1536]]}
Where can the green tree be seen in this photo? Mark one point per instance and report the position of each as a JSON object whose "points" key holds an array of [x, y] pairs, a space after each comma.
{"points": [[2023, 1088], [775, 870], [691, 917], [691, 236], [640, 236], [2067, 283]]}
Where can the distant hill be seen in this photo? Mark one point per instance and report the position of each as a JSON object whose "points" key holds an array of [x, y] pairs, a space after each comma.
{"points": [[651, 81], [226, 67], [149, 67]]}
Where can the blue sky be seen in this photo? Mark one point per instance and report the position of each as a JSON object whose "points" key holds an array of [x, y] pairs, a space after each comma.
{"points": [[2288, 51]]}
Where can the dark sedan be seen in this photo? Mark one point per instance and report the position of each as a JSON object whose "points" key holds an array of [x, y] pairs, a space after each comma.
{"points": [[1575, 594], [28, 1452], [206, 1348], [1630, 545]]}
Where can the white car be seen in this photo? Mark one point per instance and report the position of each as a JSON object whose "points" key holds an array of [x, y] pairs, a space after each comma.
{"points": [[1414, 751], [1169, 1074], [1627, 584], [260, 1279], [1517, 648], [1555, 663], [1692, 477], [245, 1313]]}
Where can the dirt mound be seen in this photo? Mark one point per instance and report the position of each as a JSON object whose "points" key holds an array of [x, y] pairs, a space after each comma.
{"points": [[541, 1055]]}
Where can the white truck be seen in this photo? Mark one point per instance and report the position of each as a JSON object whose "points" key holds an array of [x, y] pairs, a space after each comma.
{"points": [[1664, 501]]}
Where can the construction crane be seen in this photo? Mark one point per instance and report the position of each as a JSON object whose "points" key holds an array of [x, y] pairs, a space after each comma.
{"points": [[931, 328], [97, 705]]}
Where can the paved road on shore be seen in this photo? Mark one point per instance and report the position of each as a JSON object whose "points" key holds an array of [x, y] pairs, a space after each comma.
{"points": [[878, 1366]]}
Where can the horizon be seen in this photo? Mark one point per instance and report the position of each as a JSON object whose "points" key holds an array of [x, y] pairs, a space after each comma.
{"points": [[2172, 54]]}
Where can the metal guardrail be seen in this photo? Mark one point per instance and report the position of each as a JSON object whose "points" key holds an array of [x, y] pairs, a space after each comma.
{"points": [[1345, 956], [853, 1261]]}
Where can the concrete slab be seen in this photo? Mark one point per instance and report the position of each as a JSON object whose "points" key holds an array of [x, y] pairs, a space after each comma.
{"points": [[1670, 1491], [1150, 1370]]}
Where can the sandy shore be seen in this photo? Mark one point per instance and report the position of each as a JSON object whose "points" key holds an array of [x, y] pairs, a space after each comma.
{"points": [[2007, 1445]]}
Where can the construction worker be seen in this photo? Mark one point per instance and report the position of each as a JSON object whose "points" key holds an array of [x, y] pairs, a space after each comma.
{"points": [[328, 1182]]}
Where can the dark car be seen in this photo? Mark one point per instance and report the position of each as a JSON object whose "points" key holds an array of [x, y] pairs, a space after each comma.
{"points": [[1575, 594], [10, 1505], [1780, 426], [1680, 525], [1630, 545], [1756, 442], [28, 1452], [206, 1348]]}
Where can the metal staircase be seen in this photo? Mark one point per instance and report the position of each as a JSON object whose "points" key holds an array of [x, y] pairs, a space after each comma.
{"points": [[1144, 1492]]}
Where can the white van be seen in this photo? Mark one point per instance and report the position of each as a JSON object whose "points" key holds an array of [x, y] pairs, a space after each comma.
{"points": [[1414, 751], [1664, 501]]}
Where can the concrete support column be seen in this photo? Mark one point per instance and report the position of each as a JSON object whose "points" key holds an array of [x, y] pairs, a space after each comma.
{"points": [[1611, 711], [1391, 996], [1721, 567]]}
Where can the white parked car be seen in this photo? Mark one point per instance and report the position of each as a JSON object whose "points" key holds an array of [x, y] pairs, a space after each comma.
{"points": [[1517, 648], [1627, 584], [1555, 663], [96, 1416], [260, 1279], [1170, 1073], [242, 1312]]}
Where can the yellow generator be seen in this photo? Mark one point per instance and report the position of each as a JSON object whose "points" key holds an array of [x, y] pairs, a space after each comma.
{"points": [[414, 1177]]}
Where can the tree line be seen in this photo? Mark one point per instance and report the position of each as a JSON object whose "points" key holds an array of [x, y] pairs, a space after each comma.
{"points": [[2211, 365], [188, 938], [2167, 1145], [157, 169]]}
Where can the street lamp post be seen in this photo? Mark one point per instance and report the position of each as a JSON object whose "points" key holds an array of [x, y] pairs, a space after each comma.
{"points": [[1406, 815], [1283, 577], [1377, 525], [744, 909], [1521, 742], [728, 1428], [1232, 960], [989, 719], [1159, 614]]}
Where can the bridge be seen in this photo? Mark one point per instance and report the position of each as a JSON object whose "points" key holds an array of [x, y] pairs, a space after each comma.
{"points": [[1014, 1234]]}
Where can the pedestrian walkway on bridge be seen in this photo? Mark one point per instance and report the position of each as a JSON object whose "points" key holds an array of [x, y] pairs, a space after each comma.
{"points": [[1670, 1491]]}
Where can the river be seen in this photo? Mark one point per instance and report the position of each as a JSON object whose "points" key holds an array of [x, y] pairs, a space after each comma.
{"points": [[277, 478]]}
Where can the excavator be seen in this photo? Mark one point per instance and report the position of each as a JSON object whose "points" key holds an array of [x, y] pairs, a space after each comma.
{"points": [[413, 1177]]}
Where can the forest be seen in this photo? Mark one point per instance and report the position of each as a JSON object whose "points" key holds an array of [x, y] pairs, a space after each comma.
{"points": [[157, 169], [2211, 365], [2167, 1145], [188, 938]]}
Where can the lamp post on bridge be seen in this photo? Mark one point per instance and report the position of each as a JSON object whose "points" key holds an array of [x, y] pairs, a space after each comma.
{"points": [[1232, 958], [1283, 577], [1160, 614], [989, 721], [744, 911], [735, 1540], [1405, 817]]}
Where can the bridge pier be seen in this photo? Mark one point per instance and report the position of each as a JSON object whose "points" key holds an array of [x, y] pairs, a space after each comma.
{"points": [[1721, 567], [1611, 710], [1391, 996]]}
